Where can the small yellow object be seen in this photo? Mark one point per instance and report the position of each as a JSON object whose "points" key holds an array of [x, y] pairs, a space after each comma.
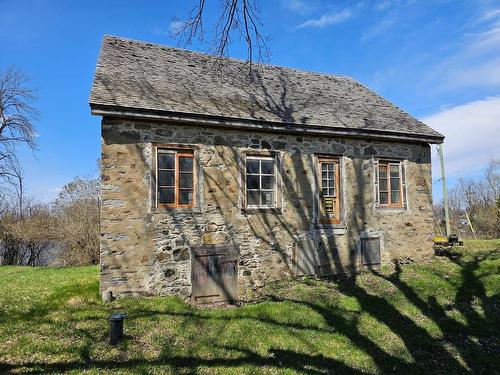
{"points": [[440, 239], [328, 204]]}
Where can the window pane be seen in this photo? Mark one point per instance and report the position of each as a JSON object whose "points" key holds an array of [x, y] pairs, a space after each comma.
{"points": [[165, 195], [185, 164], [383, 171], [323, 166], [186, 180], [324, 175], [252, 166], [267, 198], [330, 166], [394, 170], [166, 178], [267, 182], [324, 184], [383, 198], [267, 166], [253, 198], [383, 184], [186, 197], [395, 183], [395, 197], [253, 182], [166, 161]]}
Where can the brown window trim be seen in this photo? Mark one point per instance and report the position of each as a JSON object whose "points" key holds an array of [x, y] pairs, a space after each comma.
{"points": [[387, 164], [336, 161], [178, 151]]}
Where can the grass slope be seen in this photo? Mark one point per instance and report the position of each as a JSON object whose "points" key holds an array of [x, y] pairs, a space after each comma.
{"points": [[438, 317]]}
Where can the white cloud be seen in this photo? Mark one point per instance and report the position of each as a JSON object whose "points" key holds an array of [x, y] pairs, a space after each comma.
{"points": [[175, 26], [476, 63], [327, 19], [382, 5], [485, 40], [489, 14], [297, 6], [472, 132], [379, 28]]}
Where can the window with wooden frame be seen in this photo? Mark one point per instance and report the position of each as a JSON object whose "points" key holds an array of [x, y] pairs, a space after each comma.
{"points": [[390, 184], [260, 187], [175, 178], [329, 190]]}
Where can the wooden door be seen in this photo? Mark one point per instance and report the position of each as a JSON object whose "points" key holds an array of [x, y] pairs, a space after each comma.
{"points": [[213, 274]]}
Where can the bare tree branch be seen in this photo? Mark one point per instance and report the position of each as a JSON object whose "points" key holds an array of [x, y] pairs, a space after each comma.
{"points": [[475, 204], [17, 115], [77, 209], [237, 18]]}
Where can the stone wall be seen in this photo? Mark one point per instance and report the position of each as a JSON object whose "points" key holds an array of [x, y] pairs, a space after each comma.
{"points": [[147, 250]]}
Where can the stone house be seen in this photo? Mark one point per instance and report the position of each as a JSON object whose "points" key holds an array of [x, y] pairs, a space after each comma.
{"points": [[218, 177]]}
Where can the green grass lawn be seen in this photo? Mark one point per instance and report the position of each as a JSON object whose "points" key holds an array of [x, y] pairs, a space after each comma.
{"points": [[438, 317]]}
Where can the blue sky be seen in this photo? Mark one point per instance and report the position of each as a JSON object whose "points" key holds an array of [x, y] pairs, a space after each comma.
{"points": [[439, 60]]}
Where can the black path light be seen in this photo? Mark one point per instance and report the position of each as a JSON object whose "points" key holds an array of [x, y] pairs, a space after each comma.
{"points": [[116, 327]]}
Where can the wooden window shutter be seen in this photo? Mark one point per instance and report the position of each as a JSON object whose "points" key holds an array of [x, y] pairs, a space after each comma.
{"points": [[375, 183], [403, 182]]}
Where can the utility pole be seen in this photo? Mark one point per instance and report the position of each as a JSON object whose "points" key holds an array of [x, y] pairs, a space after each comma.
{"points": [[445, 191]]}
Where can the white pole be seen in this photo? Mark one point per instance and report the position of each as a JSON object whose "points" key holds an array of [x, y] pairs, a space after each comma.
{"points": [[445, 191]]}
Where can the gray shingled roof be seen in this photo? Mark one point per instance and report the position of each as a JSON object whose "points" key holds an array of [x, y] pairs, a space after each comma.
{"points": [[149, 77]]}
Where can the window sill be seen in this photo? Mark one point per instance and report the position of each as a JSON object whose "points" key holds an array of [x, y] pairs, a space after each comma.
{"points": [[390, 209], [170, 210], [338, 229], [256, 210]]}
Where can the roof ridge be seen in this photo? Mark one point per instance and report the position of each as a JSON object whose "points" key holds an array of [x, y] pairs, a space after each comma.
{"points": [[228, 58]]}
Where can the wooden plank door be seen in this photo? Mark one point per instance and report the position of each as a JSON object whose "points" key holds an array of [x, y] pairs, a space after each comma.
{"points": [[213, 274]]}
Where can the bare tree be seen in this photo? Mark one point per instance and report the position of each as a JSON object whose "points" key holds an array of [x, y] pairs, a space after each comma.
{"points": [[237, 18], [26, 238], [17, 115], [77, 210], [474, 205]]}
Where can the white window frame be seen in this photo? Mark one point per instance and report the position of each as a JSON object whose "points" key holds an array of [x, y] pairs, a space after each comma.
{"points": [[275, 188]]}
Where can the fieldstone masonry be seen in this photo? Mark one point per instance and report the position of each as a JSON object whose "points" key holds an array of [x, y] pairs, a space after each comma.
{"points": [[147, 250]]}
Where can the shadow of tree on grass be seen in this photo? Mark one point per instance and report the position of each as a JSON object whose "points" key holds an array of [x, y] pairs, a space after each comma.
{"points": [[307, 344]]}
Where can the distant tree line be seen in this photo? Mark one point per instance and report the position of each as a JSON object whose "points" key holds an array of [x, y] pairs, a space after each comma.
{"points": [[474, 206], [64, 232]]}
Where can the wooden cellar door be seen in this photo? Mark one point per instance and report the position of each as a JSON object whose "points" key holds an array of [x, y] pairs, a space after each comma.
{"points": [[213, 274]]}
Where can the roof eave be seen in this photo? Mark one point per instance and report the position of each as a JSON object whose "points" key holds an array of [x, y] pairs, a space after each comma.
{"points": [[246, 124]]}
